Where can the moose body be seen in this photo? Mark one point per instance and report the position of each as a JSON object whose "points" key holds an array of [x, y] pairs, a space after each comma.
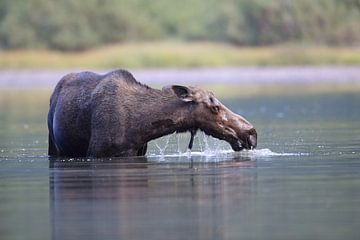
{"points": [[94, 115]]}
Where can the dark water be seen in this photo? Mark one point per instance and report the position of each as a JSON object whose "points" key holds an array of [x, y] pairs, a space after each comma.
{"points": [[303, 182]]}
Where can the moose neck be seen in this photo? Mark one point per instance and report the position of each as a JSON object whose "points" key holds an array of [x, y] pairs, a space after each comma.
{"points": [[166, 115]]}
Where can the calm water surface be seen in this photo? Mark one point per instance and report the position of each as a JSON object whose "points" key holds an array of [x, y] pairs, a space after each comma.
{"points": [[303, 181]]}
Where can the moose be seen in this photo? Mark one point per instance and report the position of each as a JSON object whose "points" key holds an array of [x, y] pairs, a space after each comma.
{"points": [[114, 115]]}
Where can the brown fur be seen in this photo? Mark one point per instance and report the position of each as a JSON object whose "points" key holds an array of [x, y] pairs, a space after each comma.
{"points": [[114, 115]]}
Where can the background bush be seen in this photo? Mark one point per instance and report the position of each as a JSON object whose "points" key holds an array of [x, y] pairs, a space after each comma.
{"points": [[82, 24]]}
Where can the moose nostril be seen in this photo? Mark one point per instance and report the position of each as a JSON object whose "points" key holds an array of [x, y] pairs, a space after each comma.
{"points": [[252, 131]]}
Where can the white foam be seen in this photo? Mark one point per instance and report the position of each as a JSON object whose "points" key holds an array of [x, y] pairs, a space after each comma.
{"points": [[218, 154], [265, 152]]}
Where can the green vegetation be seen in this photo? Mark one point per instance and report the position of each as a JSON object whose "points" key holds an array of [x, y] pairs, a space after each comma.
{"points": [[177, 54], [69, 25], [169, 33]]}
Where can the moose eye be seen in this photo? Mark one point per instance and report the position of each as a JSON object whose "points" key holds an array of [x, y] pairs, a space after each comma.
{"points": [[215, 109]]}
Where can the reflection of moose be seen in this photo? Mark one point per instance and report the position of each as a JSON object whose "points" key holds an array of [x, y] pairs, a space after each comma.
{"points": [[127, 198], [114, 115]]}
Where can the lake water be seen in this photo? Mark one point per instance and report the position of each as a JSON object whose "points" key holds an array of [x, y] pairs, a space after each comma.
{"points": [[302, 182]]}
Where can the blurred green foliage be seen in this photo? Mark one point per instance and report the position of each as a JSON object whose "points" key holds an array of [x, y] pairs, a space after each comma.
{"points": [[78, 24]]}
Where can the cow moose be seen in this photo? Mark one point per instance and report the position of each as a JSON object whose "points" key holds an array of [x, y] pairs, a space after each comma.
{"points": [[111, 115]]}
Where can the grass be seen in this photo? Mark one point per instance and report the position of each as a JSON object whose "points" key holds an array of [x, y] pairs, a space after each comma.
{"points": [[179, 54]]}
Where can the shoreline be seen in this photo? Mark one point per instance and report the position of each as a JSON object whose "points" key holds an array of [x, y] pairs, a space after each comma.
{"points": [[286, 75]]}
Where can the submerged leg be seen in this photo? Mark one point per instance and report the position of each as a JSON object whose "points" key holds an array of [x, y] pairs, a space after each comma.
{"points": [[142, 151], [193, 133], [52, 150]]}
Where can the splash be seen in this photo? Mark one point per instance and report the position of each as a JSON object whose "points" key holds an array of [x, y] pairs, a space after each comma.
{"points": [[162, 149], [208, 149], [265, 152]]}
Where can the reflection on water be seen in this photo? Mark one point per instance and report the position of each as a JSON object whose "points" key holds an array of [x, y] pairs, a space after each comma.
{"points": [[142, 200], [286, 199], [302, 182]]}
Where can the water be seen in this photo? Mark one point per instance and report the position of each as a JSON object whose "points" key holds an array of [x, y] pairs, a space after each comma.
{"points": [[303, 181]]}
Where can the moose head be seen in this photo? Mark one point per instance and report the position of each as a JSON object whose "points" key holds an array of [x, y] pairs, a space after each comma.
{"points": [[207, 113]]}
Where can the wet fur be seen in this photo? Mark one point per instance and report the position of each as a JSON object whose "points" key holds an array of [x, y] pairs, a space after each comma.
{"points": [[109, 115]]}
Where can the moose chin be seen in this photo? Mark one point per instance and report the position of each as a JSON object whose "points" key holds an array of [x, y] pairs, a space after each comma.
{"points": [[111, 115]]}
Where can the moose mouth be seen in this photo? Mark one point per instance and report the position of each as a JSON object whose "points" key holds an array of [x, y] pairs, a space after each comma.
{"points": [[249, 142], [239, 146]]}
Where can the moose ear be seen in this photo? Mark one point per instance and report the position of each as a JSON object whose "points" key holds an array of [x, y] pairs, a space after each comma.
{"points": [[184, 93]]}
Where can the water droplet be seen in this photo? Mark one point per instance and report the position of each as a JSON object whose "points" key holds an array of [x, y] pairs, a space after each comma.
{"points": [[188, 153], [162, 149]]}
